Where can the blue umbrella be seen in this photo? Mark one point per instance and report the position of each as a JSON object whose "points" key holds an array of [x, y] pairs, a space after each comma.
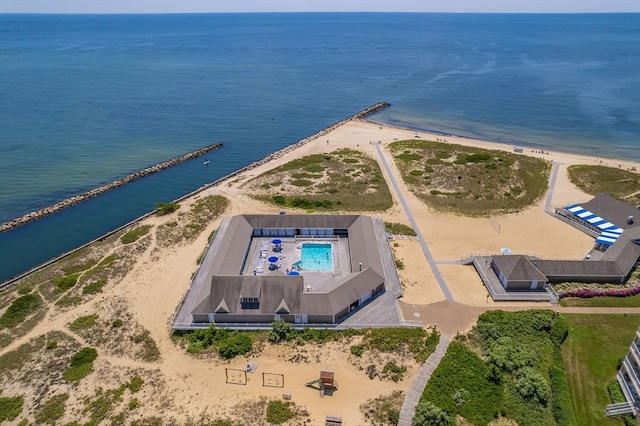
{"points": [[277, 241], [273, 259]]}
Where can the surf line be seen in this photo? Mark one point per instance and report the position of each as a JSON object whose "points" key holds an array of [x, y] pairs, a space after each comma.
{"points": [[71, 201]]}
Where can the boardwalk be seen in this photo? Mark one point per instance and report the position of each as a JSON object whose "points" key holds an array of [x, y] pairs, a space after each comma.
{"points": [[414, 225], [420, 381]]}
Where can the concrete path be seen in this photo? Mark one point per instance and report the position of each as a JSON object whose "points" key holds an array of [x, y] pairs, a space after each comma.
{"points": [[420, 381], [414, 225], [552, 184]]}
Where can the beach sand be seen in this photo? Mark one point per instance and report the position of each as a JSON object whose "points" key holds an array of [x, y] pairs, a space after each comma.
{"points": [[189, 387]]}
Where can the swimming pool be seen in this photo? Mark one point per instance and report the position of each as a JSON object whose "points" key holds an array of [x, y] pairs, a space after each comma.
{"points": [[315, 257]]}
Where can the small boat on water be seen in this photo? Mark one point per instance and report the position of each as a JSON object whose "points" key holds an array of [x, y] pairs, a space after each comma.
{"points": [[206, 162]]}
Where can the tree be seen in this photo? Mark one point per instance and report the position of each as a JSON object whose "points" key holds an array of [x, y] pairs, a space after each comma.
{"points": [[427, 414], [281, 331]]}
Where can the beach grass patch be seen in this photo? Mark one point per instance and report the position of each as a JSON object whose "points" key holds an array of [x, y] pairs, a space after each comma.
{"points": [[65, 282], [52, 410], [383, 410], [399, 229], [94, 286], [135, 384], [279, 412], [163, 209], [618, 183], [19, 310], [83, 322], [148, 349], [301, 182], [508, 182], [81, 266], [69, 301], [10, 407], [134, 234], [81, 365], [347, 178]]}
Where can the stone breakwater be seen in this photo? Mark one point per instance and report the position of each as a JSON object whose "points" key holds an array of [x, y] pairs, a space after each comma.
{"points": [[39, 214], [358, 116]]}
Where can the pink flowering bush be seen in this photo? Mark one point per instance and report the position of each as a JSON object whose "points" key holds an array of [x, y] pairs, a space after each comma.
{"points": [[592, 290]]}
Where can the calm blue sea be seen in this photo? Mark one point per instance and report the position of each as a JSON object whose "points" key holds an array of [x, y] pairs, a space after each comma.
{"points": [[88, 99]]}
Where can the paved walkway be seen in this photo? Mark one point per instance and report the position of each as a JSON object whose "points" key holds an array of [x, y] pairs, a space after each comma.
{"points": [[552, 185], [420, 381], [414, 225]]}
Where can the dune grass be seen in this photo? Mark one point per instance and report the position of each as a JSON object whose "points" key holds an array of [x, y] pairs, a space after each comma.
{"points": [[621, 184], [345, 180], [591, 352], [470, 181]]}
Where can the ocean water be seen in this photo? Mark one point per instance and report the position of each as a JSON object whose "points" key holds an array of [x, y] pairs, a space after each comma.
{"points": [[86, 99]]}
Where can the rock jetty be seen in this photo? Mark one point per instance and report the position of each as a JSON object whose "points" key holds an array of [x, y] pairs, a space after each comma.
{"points": [[39, 214], [358, 116]]}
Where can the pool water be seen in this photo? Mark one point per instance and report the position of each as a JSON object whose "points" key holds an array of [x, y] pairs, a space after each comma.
{"points": [[316, 257]]}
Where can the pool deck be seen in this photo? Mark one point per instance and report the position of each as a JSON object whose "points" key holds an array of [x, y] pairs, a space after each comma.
{"points": [[291, 253]]}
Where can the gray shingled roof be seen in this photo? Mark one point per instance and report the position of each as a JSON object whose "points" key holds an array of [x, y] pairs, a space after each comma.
{"points": [[225, 285], [612, 210], [518, 268]]}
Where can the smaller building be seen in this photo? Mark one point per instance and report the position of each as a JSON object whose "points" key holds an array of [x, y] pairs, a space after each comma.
{"points": [[517, 272]]}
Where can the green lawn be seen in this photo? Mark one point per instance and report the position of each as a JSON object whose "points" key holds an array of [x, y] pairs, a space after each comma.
{"points": [[590, 353]]}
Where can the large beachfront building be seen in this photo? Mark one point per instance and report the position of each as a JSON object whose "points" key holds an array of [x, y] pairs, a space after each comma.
{"points": [[629, 380], [304, 269], [615, 227]]}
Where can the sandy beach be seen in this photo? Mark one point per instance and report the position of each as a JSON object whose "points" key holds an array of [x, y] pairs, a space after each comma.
{"points": [[183, 387]]}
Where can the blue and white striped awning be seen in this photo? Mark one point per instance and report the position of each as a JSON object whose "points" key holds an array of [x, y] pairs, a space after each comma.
{"points": [[610, 232]]}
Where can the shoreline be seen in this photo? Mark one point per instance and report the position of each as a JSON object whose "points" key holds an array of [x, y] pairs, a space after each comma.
{"points": [[554, 156], [274, 155]]}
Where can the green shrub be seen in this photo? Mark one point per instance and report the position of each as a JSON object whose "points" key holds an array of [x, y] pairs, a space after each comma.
{"points": [[532, 386], [10, 407], [163, 209], [19, 310], [427, 414], [83, 322], [134, 234], [65, 282], [134, 403], [234, 346], [560, 330], [394, 371], [117, 323], [560, 395], [51, 345], [94, 286], [69, 301], [281, 331], [399, 228], [279, 412], [461, 368], [279, 200], [84, 356], [408, 156], [357, 350], [52, 410], [135, 384], [81, 365]]}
